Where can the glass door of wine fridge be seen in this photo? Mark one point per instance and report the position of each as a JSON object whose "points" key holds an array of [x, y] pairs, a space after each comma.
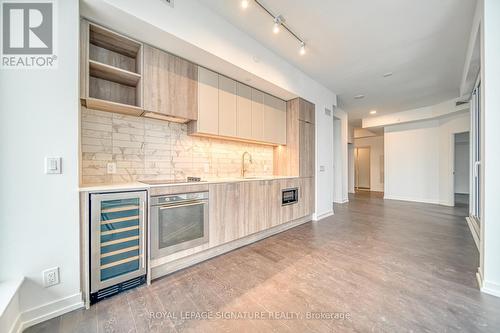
{"points": [[118, 242]]}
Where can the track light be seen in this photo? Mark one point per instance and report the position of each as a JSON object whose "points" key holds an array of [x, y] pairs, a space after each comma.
{"points": [[302, 50], [278, 20], [244, 4]]}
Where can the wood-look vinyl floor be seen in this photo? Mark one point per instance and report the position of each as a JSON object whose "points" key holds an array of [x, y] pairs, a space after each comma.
{"points": [[391, 266]]}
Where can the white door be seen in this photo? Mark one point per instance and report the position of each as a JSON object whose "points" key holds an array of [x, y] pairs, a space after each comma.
{"points": [[362, 163]]}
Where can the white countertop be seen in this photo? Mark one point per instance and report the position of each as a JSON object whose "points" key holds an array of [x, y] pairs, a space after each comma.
{"points": [[142, 186]]}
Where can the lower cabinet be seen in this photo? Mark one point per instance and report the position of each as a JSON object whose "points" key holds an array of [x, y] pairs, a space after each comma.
{"points": [[255, 201], [226, 213], [244, 208]]}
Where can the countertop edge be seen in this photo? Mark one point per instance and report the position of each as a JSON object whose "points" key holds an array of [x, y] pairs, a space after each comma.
{"points": [[143, 186]]}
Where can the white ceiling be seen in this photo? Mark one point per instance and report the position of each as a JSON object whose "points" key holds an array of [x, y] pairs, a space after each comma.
{"points": [[352, 43]]}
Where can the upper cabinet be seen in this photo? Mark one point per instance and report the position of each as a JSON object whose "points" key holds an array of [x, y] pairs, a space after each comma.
{"points": [[233, 110], [208, 104], [298, 157], [110, 70], [244, 112], [122, 75], [274, 120], [257, 122], [170, 86], [227, 106], [306, 111]]}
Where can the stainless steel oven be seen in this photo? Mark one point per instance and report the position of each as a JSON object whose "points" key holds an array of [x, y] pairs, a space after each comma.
{"points": [[178, 222]]}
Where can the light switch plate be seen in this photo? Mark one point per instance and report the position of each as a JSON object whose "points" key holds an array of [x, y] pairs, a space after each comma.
{"points": [[321, 168], [111, 168], [53, 165]]}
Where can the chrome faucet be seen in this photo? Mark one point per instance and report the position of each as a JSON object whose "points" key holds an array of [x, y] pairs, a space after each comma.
{"points": [[243, 170]]}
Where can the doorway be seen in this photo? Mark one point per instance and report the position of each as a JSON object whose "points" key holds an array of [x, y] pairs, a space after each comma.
{"points": [[362, 168], [461, 169]]}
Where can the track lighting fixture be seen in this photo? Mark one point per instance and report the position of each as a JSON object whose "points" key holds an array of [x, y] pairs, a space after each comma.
{"points": [[302, 50], [279, 22]]}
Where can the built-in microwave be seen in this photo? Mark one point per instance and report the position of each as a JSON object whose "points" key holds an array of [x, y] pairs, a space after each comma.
{"points": [[289, 196]]}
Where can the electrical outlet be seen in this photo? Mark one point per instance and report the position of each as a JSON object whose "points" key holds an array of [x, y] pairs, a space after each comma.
{"points": [[50, 277], [111, 168]]}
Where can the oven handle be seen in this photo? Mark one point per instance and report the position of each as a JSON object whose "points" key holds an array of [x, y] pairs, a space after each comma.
{"points": [[185, 204]]}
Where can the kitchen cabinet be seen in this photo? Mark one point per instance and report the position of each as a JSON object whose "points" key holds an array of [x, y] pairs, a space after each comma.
{"points": [[235, 111], [306, 196], [306, 111], [297, 158], [244, 112], [227, 106], [226, 213], [306, 149], [257, 115], [110, 71], [274, 120], [208, 104], [255, 203], [170, 86]]}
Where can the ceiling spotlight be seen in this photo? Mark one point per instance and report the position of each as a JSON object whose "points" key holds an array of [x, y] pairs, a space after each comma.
{"points": [[302, 50], [278, 20], [244, 4], [373, 111], [359, 96]]}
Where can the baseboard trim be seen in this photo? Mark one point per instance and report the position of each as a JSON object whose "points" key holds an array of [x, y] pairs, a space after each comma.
{"points": [[48, 311], [176, 265], [491, 288], [323, 216], [411, 199]]}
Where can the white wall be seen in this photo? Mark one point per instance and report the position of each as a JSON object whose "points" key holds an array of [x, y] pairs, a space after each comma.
{"points": [[376, 145], [419, 159], [199, 28], [462, 150], [490, 210], [350, 166], [412, 162], [38, 212], [340, 155]]}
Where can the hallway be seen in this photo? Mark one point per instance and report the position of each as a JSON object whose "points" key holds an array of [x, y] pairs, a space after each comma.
{"points": [[392, 266]]}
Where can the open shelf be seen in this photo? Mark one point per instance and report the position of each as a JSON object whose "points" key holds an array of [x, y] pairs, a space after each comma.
{"points": [[112, 71], [114, 74], [104, 105]]}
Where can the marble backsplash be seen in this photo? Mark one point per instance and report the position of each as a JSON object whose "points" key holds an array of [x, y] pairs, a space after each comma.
{"points": [[145, 148]]}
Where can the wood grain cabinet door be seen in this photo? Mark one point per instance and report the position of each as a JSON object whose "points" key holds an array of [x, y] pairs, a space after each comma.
{"points": [[306, 149], [273, 207], [306, 196], [306, 111], [170, 84], [256, 202], [227, 106], [226, 213]]}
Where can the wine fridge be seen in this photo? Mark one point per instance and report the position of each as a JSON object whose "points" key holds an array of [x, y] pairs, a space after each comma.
{"points": [[117, 243]]}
